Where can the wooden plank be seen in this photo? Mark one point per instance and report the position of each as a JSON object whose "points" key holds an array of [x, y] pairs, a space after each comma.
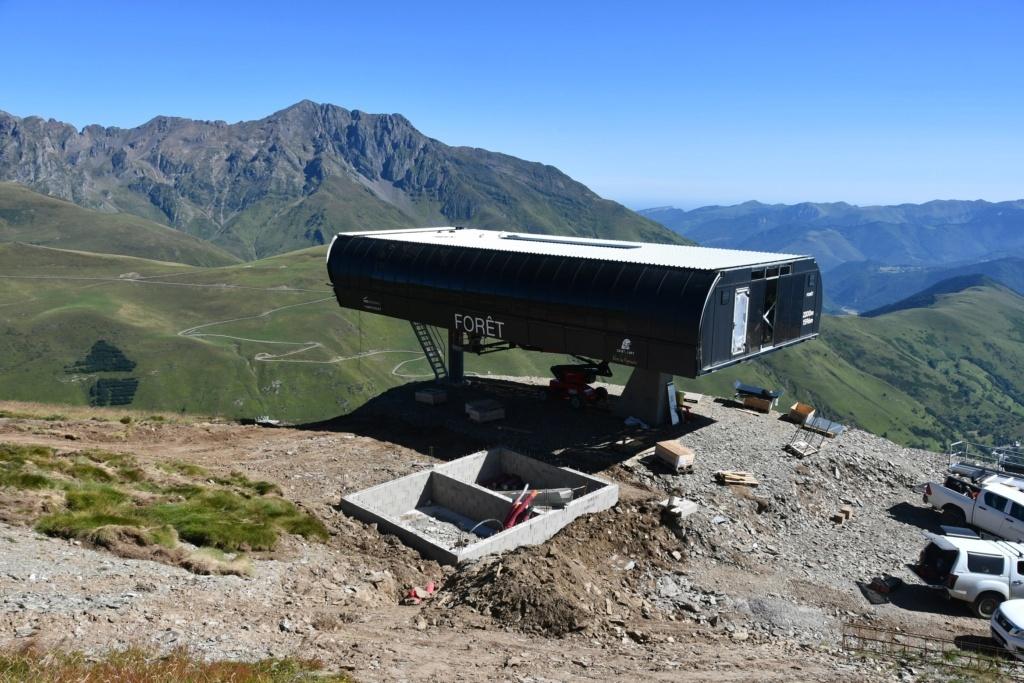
{"points": [[736, 477]]}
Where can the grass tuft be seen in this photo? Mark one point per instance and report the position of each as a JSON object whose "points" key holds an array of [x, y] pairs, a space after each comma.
{"points": [[25, 480], [239, 480], [94, 498], [179, 467], [87, 472]]}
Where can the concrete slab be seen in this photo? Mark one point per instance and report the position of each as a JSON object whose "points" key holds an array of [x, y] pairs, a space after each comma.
{"points": [[448, 515]]}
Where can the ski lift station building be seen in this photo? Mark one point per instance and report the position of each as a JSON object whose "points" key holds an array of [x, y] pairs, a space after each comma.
{"points": [[681, 310]]}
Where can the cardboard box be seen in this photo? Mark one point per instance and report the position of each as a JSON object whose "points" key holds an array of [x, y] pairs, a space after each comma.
{"points": [[800, 412], [674, 454]]}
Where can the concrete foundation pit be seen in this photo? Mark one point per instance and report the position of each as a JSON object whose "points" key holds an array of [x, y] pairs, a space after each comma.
{"points": [[455, 512]]}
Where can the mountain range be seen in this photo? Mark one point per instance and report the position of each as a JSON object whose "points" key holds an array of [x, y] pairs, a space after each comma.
{"points": [[142, 267], [871, 256], [934, 233], [298, 176]]}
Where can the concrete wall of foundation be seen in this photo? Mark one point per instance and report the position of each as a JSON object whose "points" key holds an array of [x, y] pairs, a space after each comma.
{"points": [[455, 485]]}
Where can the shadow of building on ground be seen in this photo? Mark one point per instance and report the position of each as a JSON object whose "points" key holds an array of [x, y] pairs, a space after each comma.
{"points": [[931, 599], [590, 439], [915, 515]]}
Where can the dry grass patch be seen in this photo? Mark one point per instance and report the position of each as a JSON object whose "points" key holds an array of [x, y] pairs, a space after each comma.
{"points": [[109, 500], [26, 410], [137, 665]]}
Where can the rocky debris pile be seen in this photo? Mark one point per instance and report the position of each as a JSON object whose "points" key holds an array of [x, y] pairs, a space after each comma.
{"points": [[788, 518], [675, 593]]}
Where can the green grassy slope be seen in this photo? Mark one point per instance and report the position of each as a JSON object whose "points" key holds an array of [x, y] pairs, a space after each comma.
{"points": [[267, 337], [33, 218], [922, 376]]}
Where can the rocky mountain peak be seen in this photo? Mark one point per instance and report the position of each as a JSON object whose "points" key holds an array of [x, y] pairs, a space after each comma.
{"points": [[285, 181]]}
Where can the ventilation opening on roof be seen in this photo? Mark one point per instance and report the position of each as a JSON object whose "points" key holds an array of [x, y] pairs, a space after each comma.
{"points": [[581, 243]]}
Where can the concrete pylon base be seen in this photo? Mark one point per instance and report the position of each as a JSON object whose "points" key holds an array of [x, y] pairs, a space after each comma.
{"points": [[646, 397]]}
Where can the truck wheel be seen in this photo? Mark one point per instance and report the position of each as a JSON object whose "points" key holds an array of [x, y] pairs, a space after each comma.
{"points": [[953, 516], [986, 603]]}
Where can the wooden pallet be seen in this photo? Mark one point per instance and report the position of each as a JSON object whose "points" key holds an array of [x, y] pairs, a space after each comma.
{"points": [[735, 478]]}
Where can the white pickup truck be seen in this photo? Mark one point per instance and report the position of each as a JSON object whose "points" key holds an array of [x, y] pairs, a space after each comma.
{"points": [[981, 573], [994, 506]]}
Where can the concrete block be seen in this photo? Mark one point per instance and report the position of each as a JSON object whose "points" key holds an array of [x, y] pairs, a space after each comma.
{"points": [[679, 508], [432, 396], [485, 410]]}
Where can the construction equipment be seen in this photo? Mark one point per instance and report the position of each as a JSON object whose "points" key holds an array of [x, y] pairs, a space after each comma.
{"points": [[572, 382]]}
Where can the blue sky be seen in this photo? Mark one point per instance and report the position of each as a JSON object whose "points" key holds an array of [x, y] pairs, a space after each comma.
{"points": [[647, 103]]}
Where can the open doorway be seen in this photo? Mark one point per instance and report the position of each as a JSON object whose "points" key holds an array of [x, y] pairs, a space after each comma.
{"points": [[740, 307]]}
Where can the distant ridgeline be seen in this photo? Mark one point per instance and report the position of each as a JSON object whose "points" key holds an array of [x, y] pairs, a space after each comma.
{"points": [[104, 357]]}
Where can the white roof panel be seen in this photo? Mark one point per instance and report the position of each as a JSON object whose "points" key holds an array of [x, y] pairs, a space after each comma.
{"points": [[672, 255]]}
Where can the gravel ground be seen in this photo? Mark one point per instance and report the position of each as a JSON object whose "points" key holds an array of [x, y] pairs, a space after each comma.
{"points": [[754, 586]]}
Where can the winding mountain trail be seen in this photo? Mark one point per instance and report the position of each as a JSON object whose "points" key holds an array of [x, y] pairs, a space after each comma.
{"points": [[262, 357], [304, 346]]}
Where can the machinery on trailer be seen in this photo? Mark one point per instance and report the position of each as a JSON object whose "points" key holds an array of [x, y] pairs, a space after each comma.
{"points": [[572, 382]]}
